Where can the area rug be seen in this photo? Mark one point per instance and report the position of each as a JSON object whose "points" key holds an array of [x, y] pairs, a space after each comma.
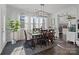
{"points": [[28, 51]]}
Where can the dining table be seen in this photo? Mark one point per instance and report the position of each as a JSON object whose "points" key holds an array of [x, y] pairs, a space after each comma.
{"points": [[35, 35]]}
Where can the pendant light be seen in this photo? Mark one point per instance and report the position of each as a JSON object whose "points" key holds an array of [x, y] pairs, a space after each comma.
{"points": [[42, 15]]}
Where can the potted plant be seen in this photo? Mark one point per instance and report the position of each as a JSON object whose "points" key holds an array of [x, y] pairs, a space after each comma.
{"points": [[14, 26]]}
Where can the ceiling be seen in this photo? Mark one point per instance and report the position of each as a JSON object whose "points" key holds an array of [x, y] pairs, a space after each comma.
{"points": [[50, 8]]}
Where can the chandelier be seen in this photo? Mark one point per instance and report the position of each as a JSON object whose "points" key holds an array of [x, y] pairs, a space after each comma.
{"points": [[42, 10]]}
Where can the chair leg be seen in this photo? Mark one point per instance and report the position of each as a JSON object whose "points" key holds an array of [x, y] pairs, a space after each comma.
{"points": [[51, 41]]}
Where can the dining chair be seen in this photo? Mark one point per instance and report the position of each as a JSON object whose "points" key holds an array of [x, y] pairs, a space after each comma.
{"points": [[28, 43], [42, 40], [51, 37]]}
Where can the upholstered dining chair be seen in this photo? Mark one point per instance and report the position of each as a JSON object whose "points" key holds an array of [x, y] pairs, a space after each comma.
{"points": [[51, 37], [29, 42], [44, 37]]}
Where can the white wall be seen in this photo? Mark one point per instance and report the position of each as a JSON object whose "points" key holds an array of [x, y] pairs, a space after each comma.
{"points": [[2, 31], [14, 13]]}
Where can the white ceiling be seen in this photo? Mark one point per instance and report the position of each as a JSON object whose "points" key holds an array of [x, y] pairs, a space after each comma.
{"points": [[50, 8]]}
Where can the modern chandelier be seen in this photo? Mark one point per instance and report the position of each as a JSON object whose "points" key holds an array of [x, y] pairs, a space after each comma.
{"points": [[42, 10]]}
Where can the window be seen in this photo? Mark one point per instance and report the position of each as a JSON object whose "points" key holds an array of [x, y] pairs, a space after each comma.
{"points": [[45, 19], [24, 22], [22, 18], [37, 22], [32, 25]]}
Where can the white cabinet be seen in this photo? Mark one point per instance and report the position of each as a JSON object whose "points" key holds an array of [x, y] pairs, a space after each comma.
{"points": [[71, 36], [77, 32], [77, 42]]}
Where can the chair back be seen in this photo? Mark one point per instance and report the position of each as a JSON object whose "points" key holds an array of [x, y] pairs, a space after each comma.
{"points": [[25, 35]]}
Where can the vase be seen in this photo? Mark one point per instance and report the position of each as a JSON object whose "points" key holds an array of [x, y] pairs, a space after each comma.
{"points": [[13, 37]]}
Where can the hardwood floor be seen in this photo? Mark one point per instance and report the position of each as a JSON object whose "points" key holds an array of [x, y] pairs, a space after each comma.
{"points": [[61, 47]]}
